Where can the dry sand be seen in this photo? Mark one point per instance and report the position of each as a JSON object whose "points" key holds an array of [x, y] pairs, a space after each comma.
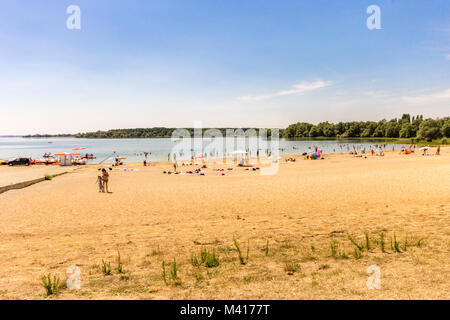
{"points": [[11, 175], [308, 205]]}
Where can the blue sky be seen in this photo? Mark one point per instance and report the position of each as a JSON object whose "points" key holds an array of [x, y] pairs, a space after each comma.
{"points": [[227, 63]]}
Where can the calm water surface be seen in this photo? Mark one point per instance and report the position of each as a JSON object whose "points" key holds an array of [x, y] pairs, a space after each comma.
{"points": [[133, 149]]}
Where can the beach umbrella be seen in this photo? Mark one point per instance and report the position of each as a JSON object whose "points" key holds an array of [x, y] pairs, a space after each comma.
{"points": [[199, 156], [424, 148], [60, 154], [121, 157], [83, 148], [75, 153]]}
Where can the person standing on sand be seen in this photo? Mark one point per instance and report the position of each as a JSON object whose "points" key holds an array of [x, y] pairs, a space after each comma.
{"points": [[438, 150], [105, 179], [175, 165], [100, 184]]}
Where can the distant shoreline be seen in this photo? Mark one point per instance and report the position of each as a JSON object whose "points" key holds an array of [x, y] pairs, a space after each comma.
{"points": [[406, 129], [405, 141]]}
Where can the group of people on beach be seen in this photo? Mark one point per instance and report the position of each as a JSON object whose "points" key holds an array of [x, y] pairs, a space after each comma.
{"points": [[103, 181]]}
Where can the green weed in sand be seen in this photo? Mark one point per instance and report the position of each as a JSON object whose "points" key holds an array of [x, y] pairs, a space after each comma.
{"points": [[208, 258], [106, 268], [51, 285], [240, 256]]}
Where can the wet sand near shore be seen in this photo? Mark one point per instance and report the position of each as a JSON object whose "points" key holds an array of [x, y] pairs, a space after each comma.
{"points": [[151, 217]]}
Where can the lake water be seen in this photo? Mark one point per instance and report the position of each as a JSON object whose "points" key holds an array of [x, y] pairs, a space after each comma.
{"points": [[159, 148]]}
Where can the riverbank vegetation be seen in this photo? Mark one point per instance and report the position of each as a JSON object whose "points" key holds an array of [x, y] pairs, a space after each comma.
{"points": [[406, 128]]}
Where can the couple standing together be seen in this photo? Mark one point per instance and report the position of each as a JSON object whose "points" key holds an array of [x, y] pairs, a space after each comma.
{"points": [[103, 181]]}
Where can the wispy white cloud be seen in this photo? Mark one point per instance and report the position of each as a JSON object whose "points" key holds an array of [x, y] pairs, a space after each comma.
{"points": [[425, 98], [297, 89]]}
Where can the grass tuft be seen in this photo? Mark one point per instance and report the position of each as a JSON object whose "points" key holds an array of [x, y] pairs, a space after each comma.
{"points": [[420, 242], [405, 244], [357, 254], [174, 273], [291, 267], [51, 285], [382, 243], [240, 257], [344, 255], [366, 236], [174, 270], [208, 258], [119, 268], [163, 269], [356, 244], [106, 268], [334, 246], [211, 260], [396, 244]]}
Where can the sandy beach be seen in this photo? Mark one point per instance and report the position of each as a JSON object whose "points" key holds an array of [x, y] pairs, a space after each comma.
{"points": [[11, 175], [290, 220]]}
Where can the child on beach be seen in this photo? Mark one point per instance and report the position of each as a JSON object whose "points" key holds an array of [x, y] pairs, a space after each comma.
{"points": [[100, 184]]}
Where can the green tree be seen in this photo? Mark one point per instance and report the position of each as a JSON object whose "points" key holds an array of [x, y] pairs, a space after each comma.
{"points": [[315, 132], [407, 131], [445, 130], [327, 129], [406, 118], [369, 128], [429, 129], [380, 130], [392, 129]]}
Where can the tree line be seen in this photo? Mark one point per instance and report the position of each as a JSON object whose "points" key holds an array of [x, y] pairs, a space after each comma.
{"points": [[405, 127], [49, 136], [161, 132], [415, 127]]}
